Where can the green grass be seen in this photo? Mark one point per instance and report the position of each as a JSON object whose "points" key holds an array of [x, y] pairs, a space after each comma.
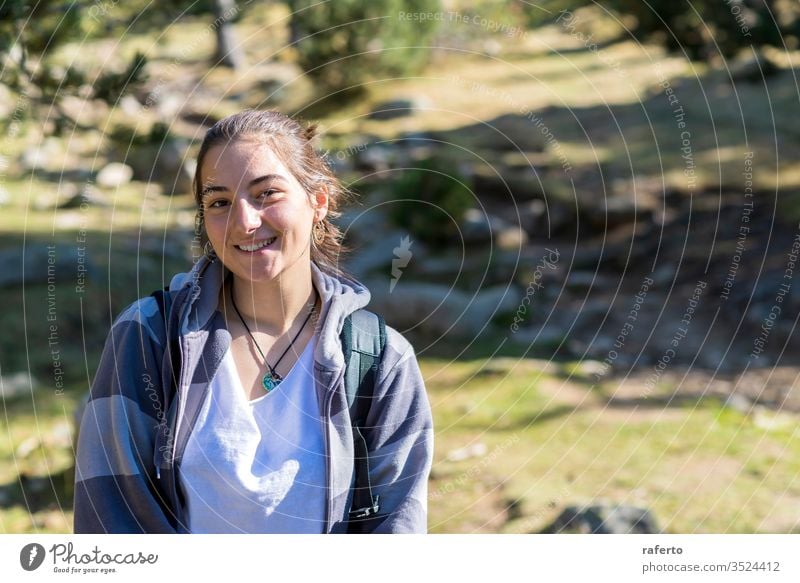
{"points": [[700, 467]]}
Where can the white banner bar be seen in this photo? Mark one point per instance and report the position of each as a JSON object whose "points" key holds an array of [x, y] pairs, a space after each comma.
{"points": [[401, 559]]}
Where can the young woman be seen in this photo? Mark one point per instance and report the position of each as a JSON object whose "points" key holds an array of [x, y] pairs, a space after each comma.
{"points": [[223, 406]]}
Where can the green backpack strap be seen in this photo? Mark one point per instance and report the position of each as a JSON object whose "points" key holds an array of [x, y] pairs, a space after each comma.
{"points": [[363, 340]]}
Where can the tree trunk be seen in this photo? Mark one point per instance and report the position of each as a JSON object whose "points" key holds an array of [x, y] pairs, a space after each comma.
{"points": [[229, 54]]}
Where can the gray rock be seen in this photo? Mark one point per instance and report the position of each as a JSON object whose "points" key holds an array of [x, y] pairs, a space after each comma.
{"points": [[171, 155], [753, 68], [740, 403], [165, 163], [27, 447], [412, 139], [130, 106], [603, 519], [88, 195], [374, 158], [398, 108], [587, 257], [614, 211], [419, 146], [440, 309], [114, 175], [478, 227], [492, 48], [540, 336], [665, 274], [14, 385], [588, 368], [38, 157], [471, 451], [511, 238], [63, 266], [168, 104], [585, 280], [544, 219]]}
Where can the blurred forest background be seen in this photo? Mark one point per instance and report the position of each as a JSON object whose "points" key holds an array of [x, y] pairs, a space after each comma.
{"points": [[586, 217]]}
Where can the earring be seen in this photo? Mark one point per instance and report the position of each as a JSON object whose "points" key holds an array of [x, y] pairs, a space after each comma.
{"points": [[209, 252], [318, 233]]}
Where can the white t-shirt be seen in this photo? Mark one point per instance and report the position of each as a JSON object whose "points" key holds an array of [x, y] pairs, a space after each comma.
{"points": [[257, 466]]}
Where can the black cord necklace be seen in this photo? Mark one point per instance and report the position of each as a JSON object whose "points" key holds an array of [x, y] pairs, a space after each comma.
{"points": [[271, 378]]}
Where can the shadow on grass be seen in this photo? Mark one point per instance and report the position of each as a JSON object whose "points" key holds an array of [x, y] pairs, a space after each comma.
{"points": [[36, 493]]}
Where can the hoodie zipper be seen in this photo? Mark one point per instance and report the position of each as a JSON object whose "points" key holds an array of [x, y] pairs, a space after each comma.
{"points": [[329, 466], [160, 452], [194, 292], [166, 448]]}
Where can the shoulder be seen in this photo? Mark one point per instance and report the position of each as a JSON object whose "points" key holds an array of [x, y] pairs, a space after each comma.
{"points": [[399, 361], [397, 348], [142, 317]]}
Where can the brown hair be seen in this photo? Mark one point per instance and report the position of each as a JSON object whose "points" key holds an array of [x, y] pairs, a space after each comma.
{"points": [[291, 142]]}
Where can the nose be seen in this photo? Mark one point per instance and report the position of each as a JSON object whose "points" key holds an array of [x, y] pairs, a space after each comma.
{"points": [[245, 216]]}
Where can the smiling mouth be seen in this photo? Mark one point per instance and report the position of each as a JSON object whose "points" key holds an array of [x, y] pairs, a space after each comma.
{"points": [[257, 246]]}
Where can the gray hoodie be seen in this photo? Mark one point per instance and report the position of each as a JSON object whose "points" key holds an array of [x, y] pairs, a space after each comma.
{"points": [[136, 426]]}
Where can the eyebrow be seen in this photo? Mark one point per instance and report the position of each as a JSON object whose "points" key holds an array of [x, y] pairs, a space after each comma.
{"points": [[266, 177]]}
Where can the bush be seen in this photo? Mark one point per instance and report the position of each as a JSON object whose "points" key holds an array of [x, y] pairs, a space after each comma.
{"points": [[701, 28], [433, 199], [343, 43], [713, 27]]}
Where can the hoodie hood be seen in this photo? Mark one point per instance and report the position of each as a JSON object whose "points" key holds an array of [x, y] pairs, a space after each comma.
{"points": [[198, 300], [121, 487]]}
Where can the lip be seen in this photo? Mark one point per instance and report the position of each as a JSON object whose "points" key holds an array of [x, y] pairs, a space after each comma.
{"points": [[257, 242]]}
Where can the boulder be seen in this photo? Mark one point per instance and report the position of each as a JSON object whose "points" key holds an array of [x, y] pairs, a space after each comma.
{"points": [[114, 175], [440, 309], [546, 219], [130, 106], [479, 227], [603, 519], [753, 68], [165, 163], [373, 157], [398, 108], [34, 257], [39, 157], [14, 385]]}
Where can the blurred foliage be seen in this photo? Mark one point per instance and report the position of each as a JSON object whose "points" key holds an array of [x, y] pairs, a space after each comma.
{"points": [[30, 35], [431, 201], [127, 136], [700, 28], [110, 86], [41, 27], [343, 44]]}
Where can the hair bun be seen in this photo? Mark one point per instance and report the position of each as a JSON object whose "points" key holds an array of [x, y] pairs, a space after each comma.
{"points": [[310, 132]]}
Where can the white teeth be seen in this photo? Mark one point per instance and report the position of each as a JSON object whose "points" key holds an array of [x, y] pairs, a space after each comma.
{"points": [[257, 246]]}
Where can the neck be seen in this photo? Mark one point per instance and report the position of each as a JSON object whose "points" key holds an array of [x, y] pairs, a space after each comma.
{"points": [[273, 306]]}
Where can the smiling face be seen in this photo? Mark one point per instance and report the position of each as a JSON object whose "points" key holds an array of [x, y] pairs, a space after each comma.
{"points": [[258, 217]]}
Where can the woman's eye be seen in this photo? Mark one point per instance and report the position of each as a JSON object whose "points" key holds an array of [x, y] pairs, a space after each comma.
{"points": [[268, 192], [215, 204]]}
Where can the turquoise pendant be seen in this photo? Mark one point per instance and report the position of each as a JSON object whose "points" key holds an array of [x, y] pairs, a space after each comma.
{"points": [[271, 381]]}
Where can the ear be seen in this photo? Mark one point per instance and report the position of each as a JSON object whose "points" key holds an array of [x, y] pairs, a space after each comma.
{"points": [[320, 203]]}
